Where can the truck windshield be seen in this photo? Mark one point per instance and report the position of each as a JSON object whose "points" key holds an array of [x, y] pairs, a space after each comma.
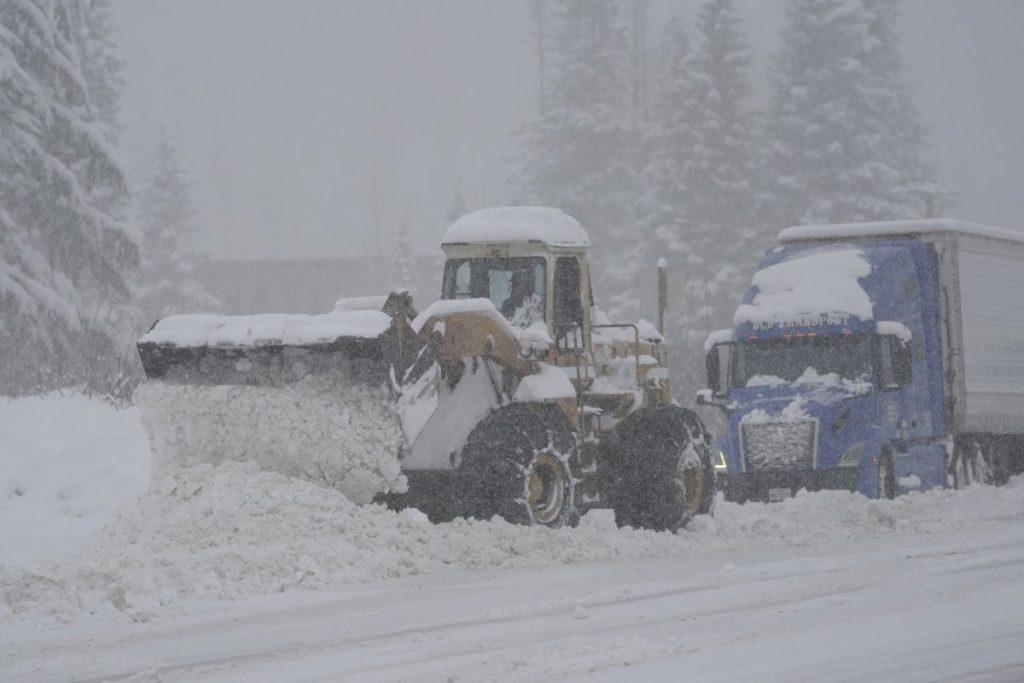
{"points": [[805, 358], [516, 286]]}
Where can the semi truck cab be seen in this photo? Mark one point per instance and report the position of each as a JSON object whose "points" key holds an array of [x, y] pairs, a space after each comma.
{"points": [[848, 366]]}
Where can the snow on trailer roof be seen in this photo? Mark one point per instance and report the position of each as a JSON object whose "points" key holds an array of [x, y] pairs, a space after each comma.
{"points": [[838, 231], [517, 224]]}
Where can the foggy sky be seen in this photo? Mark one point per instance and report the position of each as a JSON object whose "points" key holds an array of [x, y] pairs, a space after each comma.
{"points": [[412, 93]]}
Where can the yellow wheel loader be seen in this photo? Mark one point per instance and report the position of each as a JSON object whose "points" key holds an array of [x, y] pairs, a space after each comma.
{"points": [[513, 395]]}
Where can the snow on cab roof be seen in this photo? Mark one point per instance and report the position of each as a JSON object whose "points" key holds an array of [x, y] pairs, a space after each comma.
{"points": [[517, 224], [887, 228]]}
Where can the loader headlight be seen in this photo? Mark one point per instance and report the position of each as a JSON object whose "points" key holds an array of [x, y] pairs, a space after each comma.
{"points": [[852, 456], [719, 460]]}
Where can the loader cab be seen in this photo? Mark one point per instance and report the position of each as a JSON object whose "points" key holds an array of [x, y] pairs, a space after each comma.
{"points": [[531, 263], [528, 284]]}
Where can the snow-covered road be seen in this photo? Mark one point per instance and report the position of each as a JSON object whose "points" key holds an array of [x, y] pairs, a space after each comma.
{"points": [[230, 573], [943, 607]]}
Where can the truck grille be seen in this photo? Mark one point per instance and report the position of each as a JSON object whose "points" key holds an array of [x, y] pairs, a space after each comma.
{"points": [[779, 445]]}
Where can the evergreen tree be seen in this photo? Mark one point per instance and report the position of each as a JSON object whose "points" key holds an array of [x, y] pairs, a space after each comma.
{"points": [[847, 143], [168, 224], [457, 208], [702, 177], [581, 155], [402, 256], [65, 252], [102, 66], [670, 144], [719, 176]]}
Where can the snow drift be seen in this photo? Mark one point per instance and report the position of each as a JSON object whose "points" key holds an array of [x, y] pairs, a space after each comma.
{"points": [[229, 531]]}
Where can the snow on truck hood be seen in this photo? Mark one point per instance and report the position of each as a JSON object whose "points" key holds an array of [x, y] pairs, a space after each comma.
{"points": [[809, 288], [517, 224], [250, 330]]}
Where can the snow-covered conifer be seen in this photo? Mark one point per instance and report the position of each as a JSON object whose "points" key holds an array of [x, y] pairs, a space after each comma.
{"points": [[581, 155], [719, 174], [457, 207], [168, 224], [402, 255], [66, 251], [102, 66], [846, 139], [701, 180]]}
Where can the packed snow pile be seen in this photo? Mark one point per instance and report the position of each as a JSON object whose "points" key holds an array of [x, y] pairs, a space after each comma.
{"points": [[218, 532], [206, 532], [344, 436]]}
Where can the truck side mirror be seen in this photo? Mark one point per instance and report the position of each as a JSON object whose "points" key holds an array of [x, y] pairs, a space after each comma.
{"points": [[714, 368], [717, 363], [902, 362], [896, 361]]}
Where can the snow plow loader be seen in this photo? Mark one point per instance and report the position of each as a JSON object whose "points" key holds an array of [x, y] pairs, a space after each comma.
{"points": [[512, 395]]}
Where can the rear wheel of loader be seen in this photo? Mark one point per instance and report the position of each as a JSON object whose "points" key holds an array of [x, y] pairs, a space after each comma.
{"points": [[521, 463], [656, 469]]}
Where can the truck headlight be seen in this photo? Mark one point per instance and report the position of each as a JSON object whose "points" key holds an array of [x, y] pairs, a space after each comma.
{"points": [[852, 456], [719, 460]]}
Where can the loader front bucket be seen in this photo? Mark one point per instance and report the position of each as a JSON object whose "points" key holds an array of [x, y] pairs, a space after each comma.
{"points": [[307, 396]]}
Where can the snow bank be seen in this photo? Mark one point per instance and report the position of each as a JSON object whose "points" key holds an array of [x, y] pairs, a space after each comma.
{"points": [[207, 532], [231, 531], [67, 465], [234, 531], [821, 286], [517, 224], [253, 330]]}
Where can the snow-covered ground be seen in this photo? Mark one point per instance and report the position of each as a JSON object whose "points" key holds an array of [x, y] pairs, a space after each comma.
{"points": [[232, 574], [67, 465]]}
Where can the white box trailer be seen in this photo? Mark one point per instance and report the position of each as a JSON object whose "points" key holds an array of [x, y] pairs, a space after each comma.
{"points": [[982, 299]]}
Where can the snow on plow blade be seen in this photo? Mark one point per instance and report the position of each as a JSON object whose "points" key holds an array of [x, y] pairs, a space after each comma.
{"points": [[308, 396]]}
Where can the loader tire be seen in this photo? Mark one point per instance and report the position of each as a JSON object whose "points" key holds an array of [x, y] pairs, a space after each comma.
{"points": [[521, 464], [656, 469]]}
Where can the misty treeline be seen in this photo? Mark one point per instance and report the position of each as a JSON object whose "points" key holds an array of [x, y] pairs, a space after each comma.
{"points": [[648, 135], [82, 269]]}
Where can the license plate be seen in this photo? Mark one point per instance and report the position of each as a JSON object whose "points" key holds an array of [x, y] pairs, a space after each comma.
{"points": [[775, 495]]}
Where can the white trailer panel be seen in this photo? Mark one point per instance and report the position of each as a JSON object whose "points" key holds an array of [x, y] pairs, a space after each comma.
{"points": [[991, 304]]}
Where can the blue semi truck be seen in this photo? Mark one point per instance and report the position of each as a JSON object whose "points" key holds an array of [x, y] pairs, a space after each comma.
{"points": [[874, 357]]}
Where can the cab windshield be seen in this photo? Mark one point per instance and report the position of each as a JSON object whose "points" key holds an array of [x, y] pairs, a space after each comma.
{"points": [[516, 286], [767, 361]]}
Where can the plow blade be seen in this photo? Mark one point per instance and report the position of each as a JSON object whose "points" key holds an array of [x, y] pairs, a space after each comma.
{"points": [[306, 402]]}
